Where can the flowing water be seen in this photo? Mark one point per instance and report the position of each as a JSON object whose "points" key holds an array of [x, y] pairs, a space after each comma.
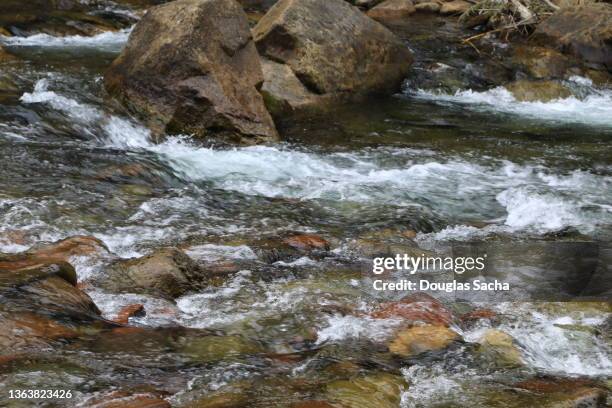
{"points": [[467, 167]]}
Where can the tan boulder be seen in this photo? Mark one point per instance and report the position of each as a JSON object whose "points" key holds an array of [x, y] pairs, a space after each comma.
{"points": [[584, 31], [331, 48], [454, 7], [533, 91], [191, 67], [540, 62], [392, 9], [420, 339]]}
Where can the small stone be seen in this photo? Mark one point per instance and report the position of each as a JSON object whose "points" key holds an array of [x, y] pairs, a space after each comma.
{"points": [[454, 7], [392, 9], [419, 339], [307, 242], [478, 314], [416, 308], [129, 311], [428, 7]]}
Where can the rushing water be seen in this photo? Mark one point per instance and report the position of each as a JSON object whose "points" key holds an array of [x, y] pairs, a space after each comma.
{"points": [[467, 167]]}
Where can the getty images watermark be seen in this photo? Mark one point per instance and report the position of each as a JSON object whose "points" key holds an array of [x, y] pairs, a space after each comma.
{"points": [[423, 263], [497, 271]]}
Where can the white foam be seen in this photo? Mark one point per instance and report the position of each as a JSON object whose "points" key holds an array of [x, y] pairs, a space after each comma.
{"points": [[157, 311], [118, 132], [110, 41], [549, 346], [345, 327], [544, 212], [212, 252], [594, 109], [430, 385], [516, 197]]}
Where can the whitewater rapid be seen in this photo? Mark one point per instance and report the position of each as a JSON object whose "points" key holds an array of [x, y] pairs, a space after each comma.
{"points": [[591, 106], [512, 197]]}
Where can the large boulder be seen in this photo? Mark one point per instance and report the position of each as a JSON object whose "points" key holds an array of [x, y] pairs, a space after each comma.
{"points": [[167, 272], [584, 31], [191, 67], [40, 305], [326, 49]]}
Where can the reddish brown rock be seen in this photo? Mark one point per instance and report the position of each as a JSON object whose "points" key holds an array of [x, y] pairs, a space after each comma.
{"points": [[418, 307], [478, 314], [27, 330], [129, 311], [58, 252], [307, 242]]}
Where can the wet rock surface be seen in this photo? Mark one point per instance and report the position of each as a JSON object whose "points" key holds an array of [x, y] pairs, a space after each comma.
{"points": [[207, 85], [241, 309], [168, 273], [61, 18], [584, 31], [331, 48]]}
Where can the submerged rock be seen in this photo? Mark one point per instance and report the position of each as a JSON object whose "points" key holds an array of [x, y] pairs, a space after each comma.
{"points": [[128, 311], [419, 339], [167, 272], [6, 56], [498, 347], [565, 392], [382, 390], [332, 49], [584, 31], [533, 91], [416, 308], [290, 248], [191, 67], [40, 305]]}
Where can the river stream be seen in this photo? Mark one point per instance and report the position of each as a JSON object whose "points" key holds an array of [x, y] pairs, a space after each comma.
{"points": [[467, 167]]}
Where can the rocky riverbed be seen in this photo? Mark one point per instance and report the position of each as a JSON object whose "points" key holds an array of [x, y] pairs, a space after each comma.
{"points": [[204, 242]]}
